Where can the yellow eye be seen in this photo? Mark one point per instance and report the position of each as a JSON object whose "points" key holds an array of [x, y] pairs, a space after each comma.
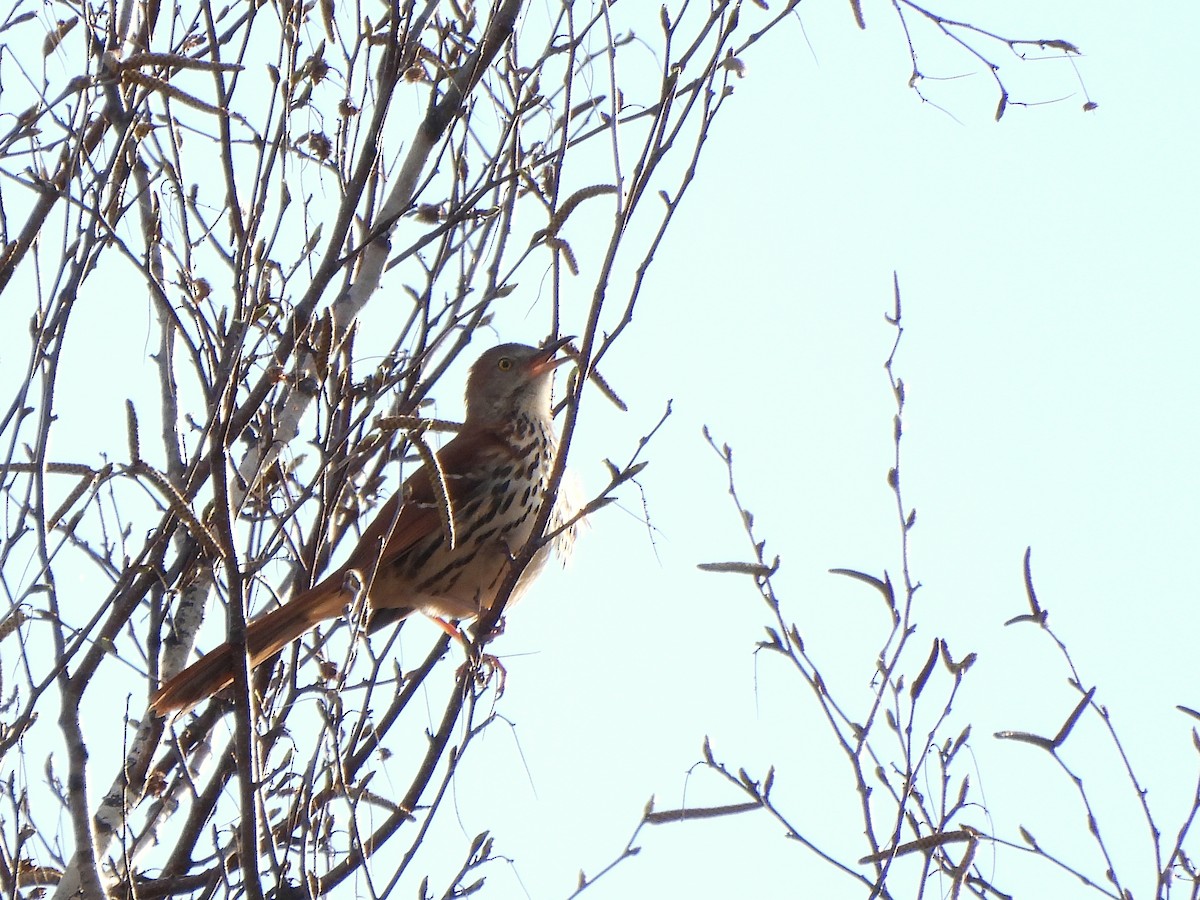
{"points": [[504, 364]]}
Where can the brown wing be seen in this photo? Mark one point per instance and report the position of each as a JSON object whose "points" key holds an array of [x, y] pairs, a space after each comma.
{"points": [[413, 513], [409, 516]]}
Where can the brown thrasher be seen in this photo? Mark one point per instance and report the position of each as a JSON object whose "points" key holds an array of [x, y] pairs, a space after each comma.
{"points": [[495, 471]]}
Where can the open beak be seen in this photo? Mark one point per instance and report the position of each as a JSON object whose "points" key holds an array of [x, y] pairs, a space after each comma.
{"points": [[546, 359]]}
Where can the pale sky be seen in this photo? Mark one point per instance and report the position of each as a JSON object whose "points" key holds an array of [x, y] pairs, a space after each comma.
{"points": [[1048, 269]]}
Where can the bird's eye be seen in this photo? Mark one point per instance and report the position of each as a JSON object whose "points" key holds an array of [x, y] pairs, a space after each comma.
{"points": [[504, 364]]}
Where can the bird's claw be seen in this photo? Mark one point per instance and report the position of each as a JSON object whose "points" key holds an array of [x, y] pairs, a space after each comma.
{"points": [[482, 668]]}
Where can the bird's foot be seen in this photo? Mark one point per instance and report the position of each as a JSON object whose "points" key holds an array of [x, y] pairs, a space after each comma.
{"points": [[482, 669]]}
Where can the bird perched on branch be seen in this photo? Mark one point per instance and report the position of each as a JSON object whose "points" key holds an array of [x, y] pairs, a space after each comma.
{"points": [[443, 543]]}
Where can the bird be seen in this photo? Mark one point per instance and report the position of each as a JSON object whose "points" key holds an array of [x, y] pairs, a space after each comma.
{"points": [[495, 472]]}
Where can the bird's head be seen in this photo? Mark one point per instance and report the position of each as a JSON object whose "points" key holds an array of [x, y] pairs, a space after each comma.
{"points": [[512, 378]]}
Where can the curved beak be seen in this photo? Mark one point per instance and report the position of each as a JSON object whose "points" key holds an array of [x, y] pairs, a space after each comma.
{"points": [[546, 359]]}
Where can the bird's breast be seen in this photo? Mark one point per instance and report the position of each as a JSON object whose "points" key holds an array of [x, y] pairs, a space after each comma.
{"points": [[493, 517]]}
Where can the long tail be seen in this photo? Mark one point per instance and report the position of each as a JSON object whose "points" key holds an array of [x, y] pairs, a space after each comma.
{"points": [[264, 638]]}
